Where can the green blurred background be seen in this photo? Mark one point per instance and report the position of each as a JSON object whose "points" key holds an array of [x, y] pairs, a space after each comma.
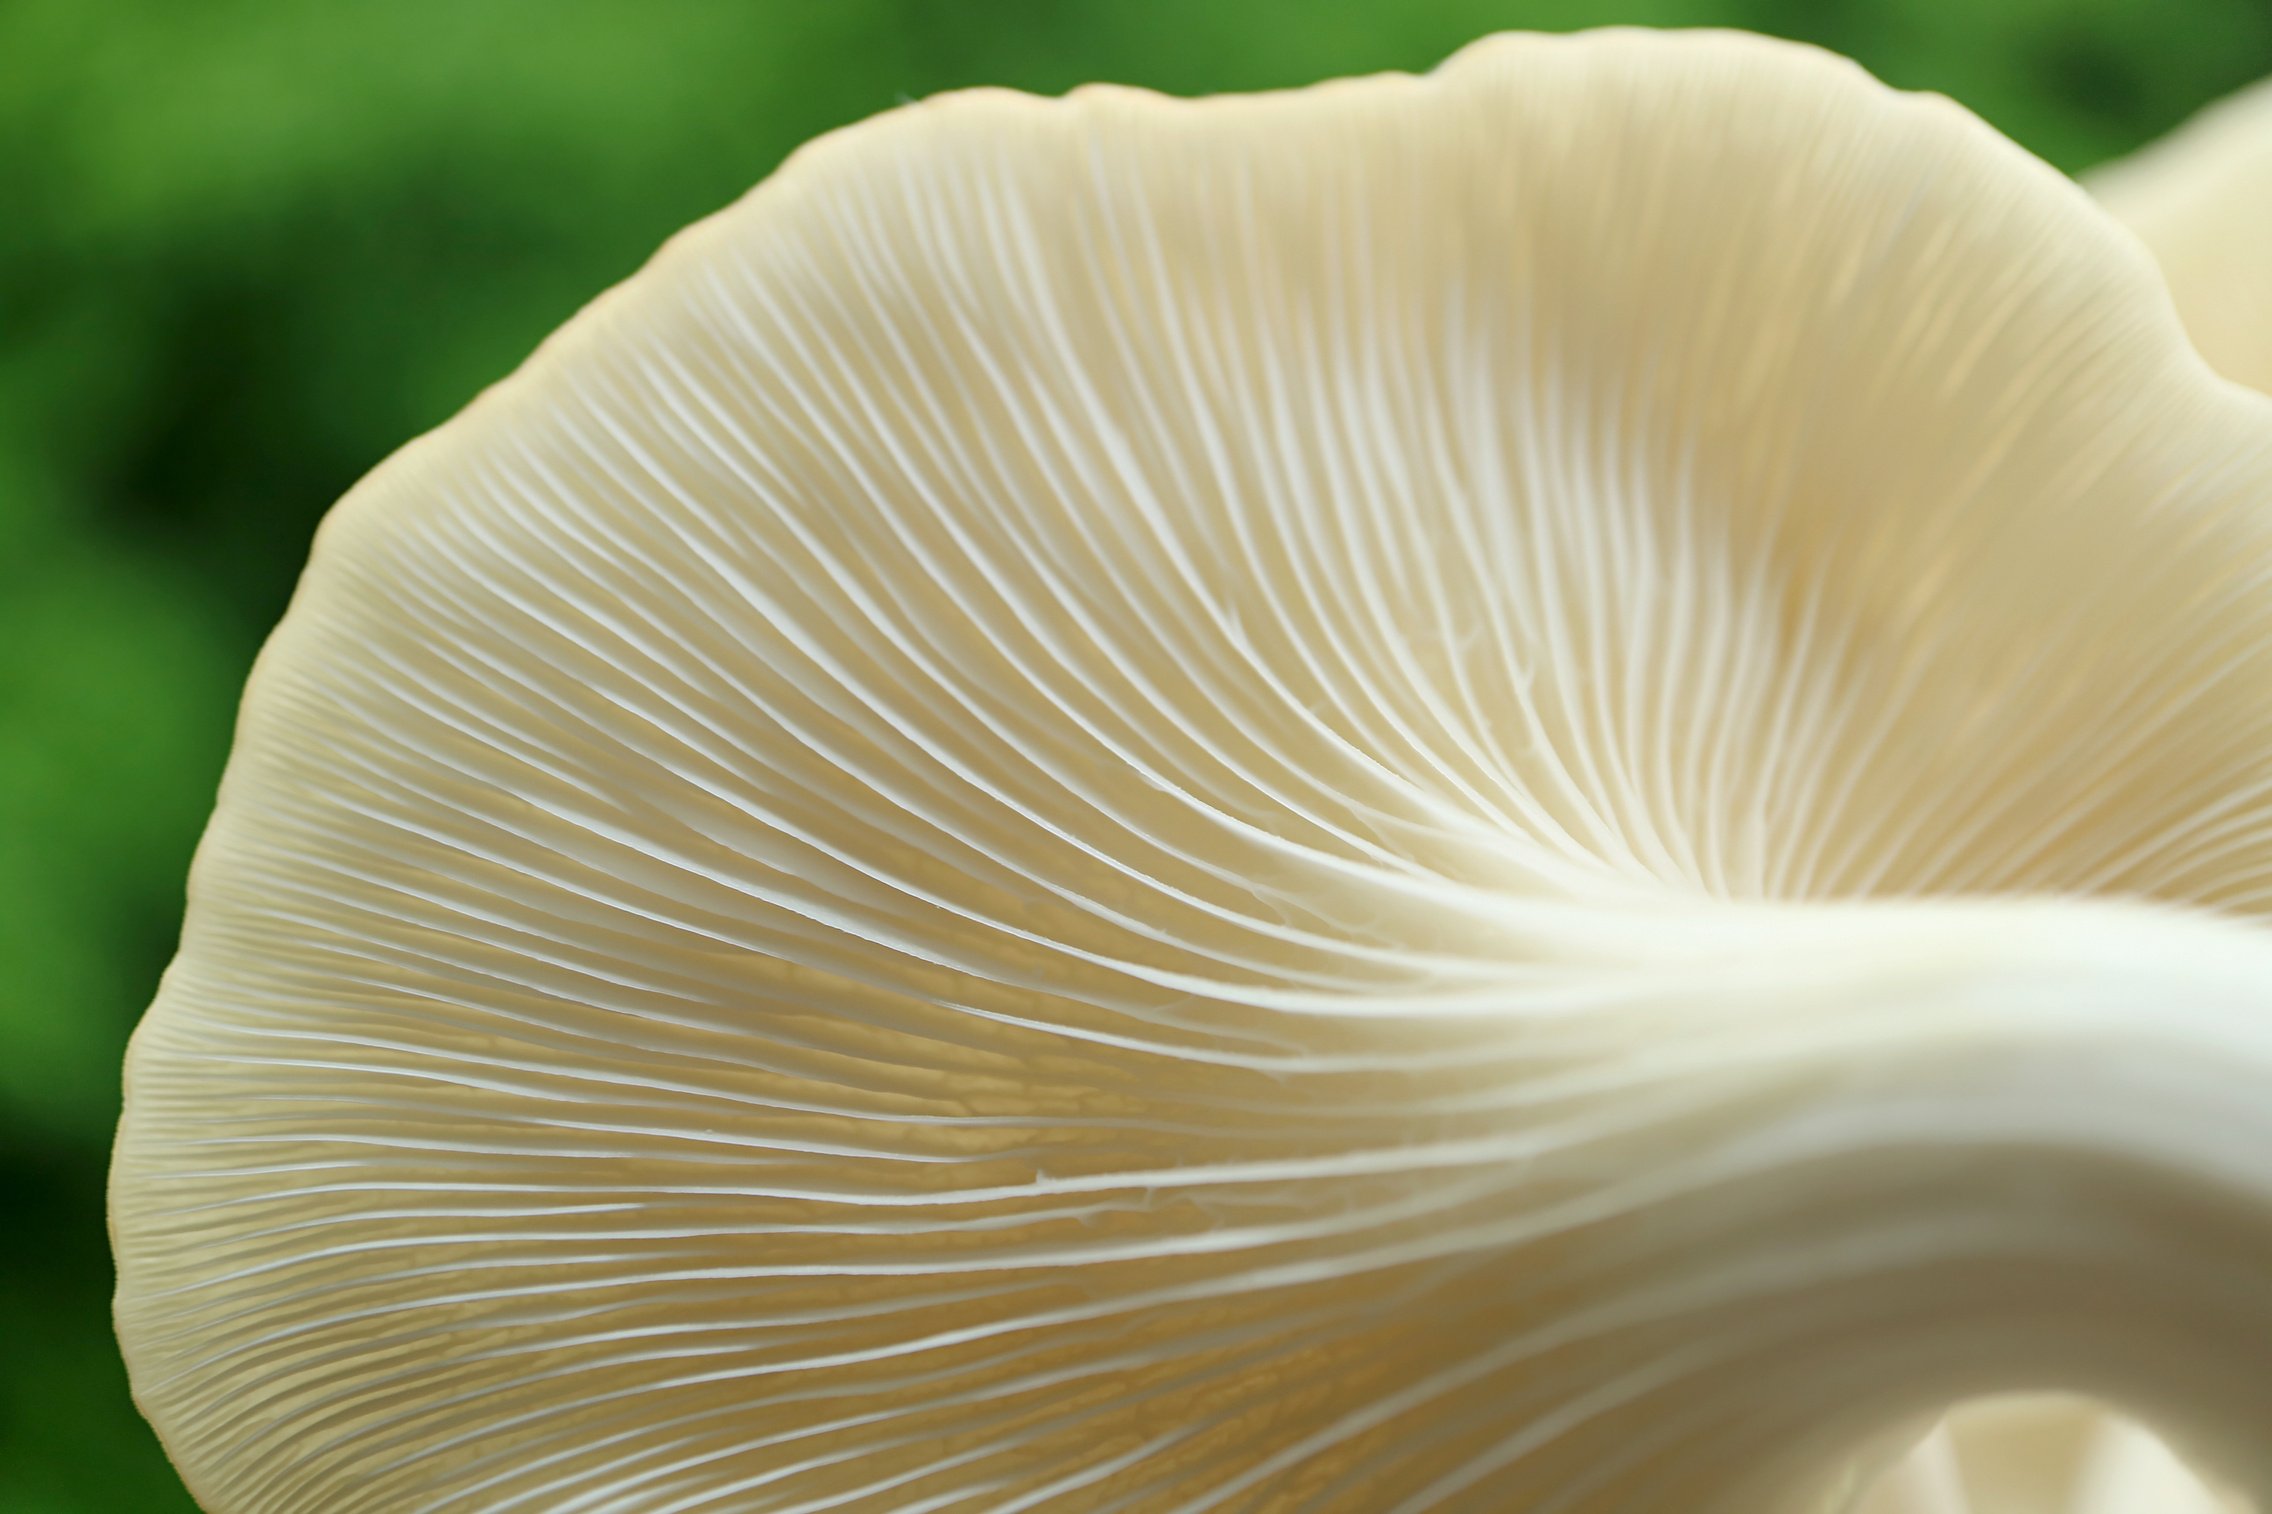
{"points": [[249, 246]]}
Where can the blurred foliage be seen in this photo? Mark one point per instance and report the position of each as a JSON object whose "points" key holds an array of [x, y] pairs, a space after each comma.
{"points": [[249, 246]]}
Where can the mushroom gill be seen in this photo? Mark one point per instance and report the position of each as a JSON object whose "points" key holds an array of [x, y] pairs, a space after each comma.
{"points": [[1546, 788], [2201, 198]]}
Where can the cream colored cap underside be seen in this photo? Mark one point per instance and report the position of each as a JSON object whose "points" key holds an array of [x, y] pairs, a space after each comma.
{"points": [[1052, 822]]}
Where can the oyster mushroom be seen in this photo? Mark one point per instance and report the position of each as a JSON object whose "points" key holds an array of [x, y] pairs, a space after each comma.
{"points": [[1540, 788], [2201, 198], [2202, 201]]}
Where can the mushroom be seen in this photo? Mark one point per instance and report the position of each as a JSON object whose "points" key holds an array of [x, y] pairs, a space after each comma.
{"points": [[2044, 1455], [2201, 198], [1544, 788], [2202, 201]]}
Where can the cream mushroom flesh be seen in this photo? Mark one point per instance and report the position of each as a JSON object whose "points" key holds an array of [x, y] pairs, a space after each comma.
{"points": [[2202, 200], [2044, 1454], [1539, 788]]}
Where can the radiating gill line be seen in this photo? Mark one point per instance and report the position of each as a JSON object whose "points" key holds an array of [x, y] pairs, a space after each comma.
{"points": [[1192, 351], [1423, 1025], [2114, 730], [1304, 1324], [802, 834], [940, 954], [1491, 995], [1142, 231], [1737, 1284], [1491, 1155], [1626, 1197], [2231, 831], [910, 1108], [1015, 1326], [2111, 744], [1346, 555], [1813, 724], [774, 818], [772, 948], [1066, 360], [1043, 685], [1532, 994], [523, 1090], [1009, 396], [1530, 1226], [1299, 1325], [1068, 599], [1601, 516], [1620, 1080], [1364, 406], [1543, 1429]]}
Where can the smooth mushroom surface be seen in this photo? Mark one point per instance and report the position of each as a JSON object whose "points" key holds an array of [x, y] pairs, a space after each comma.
{"points": [[1547, 788], [2201, 198], [2043, 1454]]}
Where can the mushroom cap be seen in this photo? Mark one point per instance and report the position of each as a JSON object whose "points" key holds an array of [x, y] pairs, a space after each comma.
{"points": [[1125, 804], [2201, 198]]}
